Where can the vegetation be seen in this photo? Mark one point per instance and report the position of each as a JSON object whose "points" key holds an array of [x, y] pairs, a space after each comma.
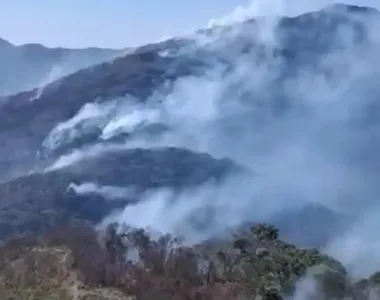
{"points": [[78, 263]]}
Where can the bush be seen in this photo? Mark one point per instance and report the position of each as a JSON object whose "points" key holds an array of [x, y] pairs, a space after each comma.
{"points": [[134, 263]]}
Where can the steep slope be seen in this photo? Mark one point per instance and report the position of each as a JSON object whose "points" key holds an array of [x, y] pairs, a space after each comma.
{"points": [[302, 45], [36, 202], [31, 65], [230, 92]]}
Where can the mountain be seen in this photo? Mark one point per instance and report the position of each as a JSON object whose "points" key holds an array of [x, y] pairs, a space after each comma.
{"points": [[239, 123], [148, 70], [27, 66], [239, 162]]}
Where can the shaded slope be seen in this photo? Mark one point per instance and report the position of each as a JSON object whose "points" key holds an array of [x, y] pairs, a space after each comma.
{"points": [[36, 202]]}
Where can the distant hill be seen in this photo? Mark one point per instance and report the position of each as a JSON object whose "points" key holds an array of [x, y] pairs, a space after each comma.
{"points": [[27, 66]]}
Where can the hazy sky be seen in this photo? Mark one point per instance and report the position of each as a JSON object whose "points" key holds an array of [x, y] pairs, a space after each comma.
{"points": [[116, 23]]}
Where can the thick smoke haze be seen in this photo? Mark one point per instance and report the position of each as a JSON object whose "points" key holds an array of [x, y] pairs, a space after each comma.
{"points": [[310, 136]]}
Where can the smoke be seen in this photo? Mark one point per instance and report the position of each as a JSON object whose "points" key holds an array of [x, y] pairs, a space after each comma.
{"points": [[110, 192], [255, 9], [55, 73], [88, 116], [358, 248], [306, 288], [305, 125], [203, 212]]}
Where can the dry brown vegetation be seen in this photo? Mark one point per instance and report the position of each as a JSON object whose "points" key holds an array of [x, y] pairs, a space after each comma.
{"points": [[78, 263]]}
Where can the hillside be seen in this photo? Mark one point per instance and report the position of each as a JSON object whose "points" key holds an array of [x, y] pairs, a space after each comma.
{"points": [[150, 74], [79, 264], [131, 106], [36, 202], [32, 65], [216, 138]]}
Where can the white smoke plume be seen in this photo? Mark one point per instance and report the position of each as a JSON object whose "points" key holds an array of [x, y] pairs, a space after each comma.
{"points": [[306, 288], [307, 141], [111, 192], [55, 73]]}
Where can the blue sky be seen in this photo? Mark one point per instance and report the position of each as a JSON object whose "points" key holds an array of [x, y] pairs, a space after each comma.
{"points": [[114, 23]]}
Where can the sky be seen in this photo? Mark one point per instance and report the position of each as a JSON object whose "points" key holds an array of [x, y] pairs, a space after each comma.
{"points": [[120, 23]]}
